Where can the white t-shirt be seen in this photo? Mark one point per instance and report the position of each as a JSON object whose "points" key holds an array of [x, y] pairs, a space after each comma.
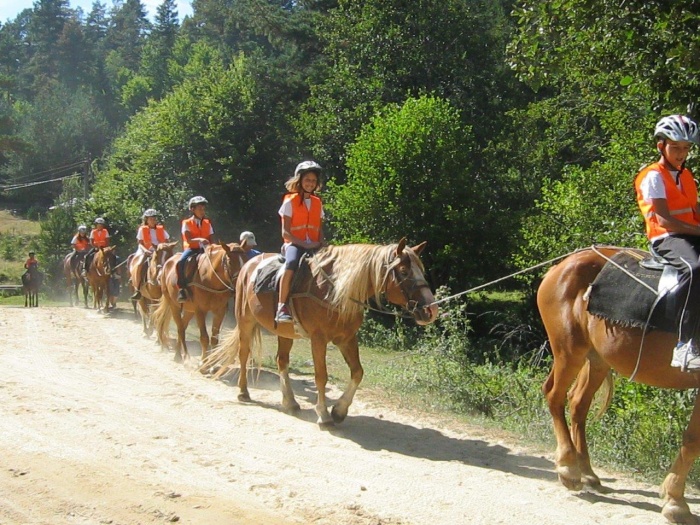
{"points": [[286, 210], [652, 185]]}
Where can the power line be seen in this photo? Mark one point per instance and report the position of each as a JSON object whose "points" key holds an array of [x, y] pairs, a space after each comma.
{"points": [[50, 171], [36, 183]]}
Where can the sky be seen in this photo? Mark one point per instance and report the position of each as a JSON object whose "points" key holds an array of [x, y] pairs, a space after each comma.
{"points": [[9, 9]]}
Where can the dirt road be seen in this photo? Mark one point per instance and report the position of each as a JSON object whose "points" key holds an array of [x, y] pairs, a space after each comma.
{"points": [[99, 426]]}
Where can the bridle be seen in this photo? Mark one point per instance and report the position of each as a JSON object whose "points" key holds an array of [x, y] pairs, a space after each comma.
{"points": [[408, 285]]}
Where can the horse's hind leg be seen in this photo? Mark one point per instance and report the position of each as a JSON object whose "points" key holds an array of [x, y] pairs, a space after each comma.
{"points": [[201, 317], [351, 354], [566, 367], [580, 398], [675, 507], [284, 347]]}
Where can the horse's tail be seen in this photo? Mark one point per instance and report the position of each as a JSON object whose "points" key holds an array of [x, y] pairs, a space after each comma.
{"points": [[160, 320], [603, 396], [226, 355]]}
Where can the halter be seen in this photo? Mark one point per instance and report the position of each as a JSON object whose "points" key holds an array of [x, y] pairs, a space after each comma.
{"points": [[408, 285]]}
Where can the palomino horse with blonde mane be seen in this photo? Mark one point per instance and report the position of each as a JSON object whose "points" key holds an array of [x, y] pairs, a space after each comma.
{"points": [[71, 272], [328, 307], [150, 289], [210, 289], [585, 348], [98, 275]]}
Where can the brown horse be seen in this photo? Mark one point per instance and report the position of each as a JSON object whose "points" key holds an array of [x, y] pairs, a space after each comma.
{"points": [[585, 348], [71, 272], [150, 289], [210, 289], [31, 282], [98, 276], [330, 308]]}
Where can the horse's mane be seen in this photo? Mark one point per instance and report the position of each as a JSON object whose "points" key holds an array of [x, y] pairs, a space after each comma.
{"points": [[356, 272]]}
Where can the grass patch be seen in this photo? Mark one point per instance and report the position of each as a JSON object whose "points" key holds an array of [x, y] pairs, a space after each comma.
{"points": [[14, 225]]}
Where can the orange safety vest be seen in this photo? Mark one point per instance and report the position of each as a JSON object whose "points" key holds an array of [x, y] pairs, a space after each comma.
{"points": [[682, 202], [146, 234], [99, 237], [81, 243], [305, 222], [203, 231], [31, 262]]}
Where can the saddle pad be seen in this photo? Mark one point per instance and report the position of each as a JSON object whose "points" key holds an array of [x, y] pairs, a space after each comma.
{"points": [[266, 275], [620, 299]]}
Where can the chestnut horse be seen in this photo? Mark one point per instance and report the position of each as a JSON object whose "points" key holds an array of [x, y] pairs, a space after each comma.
{"points": [[210, 289], [329, 308], [98, 276], [31, 282], [74, 278], [585, 348], [150, 289]]}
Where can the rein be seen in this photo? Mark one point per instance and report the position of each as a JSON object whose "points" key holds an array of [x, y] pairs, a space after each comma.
{"points": [[231, 277]]}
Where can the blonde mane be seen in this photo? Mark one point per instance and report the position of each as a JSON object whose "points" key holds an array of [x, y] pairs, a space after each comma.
{"points": [[357, 272]]}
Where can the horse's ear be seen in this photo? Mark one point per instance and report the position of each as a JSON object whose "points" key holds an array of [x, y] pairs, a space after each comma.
{"points": [[225, 246], [418, 249], [400, 247], [244, 245]]}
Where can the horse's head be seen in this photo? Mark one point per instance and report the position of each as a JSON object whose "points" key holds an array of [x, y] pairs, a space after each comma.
{"points": [[163, 252], [405, 284], [234, 259], [108, 259]]}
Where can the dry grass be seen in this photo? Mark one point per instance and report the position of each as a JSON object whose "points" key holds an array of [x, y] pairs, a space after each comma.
{"points": [[16, 225]]}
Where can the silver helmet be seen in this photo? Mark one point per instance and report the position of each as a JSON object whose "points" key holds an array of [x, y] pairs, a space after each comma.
{"points": [[82, 228], [307, 165], [677, 128], [150, 212], [197, 200], [99, 220]]}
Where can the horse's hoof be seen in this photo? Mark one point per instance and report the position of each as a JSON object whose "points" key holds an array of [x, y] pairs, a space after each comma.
{"points": [[337, 416], [676, 512], [292, 408], [570, 483], [326, 425], [593, 482], [244, 397]]}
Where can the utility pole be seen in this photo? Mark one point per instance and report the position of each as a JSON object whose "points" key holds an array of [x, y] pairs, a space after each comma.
{"points": [[86, 177]]}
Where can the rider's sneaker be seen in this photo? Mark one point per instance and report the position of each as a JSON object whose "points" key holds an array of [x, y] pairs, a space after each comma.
{"points": [[182, 296], [136, 296], [686, 356], [283, 315]]}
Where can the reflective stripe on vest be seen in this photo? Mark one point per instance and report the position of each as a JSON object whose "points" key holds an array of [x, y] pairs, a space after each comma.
{"points": [[305, 222], [203, 231], [146, 234], [682, 203]]}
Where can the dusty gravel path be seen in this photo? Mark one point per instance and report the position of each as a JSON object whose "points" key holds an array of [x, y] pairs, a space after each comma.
{"points": [[98, 426]]}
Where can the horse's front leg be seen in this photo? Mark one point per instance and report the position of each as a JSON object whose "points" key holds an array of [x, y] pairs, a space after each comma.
{"points": [[284, 346], [216, 322], [675, 507], [351, 354], [201, 317], [182, 321], [318, 350]]}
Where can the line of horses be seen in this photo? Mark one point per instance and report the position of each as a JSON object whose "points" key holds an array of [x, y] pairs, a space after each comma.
{"points": [[328, 307]]}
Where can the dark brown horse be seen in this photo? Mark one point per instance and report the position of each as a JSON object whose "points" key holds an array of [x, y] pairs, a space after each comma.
{"points": [[329, 308], [585, 348], [31, 282], [150, 289], [98, 276], [210, 289], [71, 272]]}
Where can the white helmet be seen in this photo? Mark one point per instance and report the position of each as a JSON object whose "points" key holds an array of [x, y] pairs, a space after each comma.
{"points": [[99, 220], [197, 200], [150, 212], [249, 237], [82, 228], [307, 165], [678, 128]]}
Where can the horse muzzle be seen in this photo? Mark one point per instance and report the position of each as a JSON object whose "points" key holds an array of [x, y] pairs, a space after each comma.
{"points": [[426, 314]]}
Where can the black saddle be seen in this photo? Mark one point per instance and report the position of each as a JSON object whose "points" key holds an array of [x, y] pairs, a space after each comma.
{"points": [[636, 289], [267, 278]]}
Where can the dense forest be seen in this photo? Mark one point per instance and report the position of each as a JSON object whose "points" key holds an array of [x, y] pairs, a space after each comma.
{"points": [[503, 132]]}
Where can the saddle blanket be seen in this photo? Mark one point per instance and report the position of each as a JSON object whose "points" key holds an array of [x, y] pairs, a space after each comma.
{"points": [[620, 299]]}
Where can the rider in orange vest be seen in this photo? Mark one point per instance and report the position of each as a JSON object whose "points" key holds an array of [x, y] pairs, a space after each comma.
{"points": [[149, 235], [81, 245], [667, 196], [99, 238], [197, 232], [31, 262], [302, 226]]}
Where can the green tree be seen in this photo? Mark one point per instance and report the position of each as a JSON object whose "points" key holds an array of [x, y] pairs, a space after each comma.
{"points": [[411, 173]]}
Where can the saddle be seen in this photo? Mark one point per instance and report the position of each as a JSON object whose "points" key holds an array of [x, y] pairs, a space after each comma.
{"points": [[269, 271], [637, 289], [189, 267]]}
